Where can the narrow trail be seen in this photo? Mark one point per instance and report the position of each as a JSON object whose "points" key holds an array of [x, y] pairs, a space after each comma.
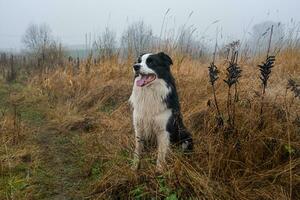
{"points": [[59, 176], [54, 158]]}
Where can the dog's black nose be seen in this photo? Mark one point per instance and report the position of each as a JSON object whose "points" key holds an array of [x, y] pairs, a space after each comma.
{"points": [[136, 67]]}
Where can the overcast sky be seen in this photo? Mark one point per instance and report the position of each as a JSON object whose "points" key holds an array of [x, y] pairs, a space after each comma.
{"points": [[70, 20]]}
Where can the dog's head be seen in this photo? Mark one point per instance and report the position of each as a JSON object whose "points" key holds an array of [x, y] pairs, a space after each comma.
{"points": [[150, 67]]}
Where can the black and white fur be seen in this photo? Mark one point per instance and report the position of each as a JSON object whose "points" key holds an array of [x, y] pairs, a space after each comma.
{"points": [[156, 109]]}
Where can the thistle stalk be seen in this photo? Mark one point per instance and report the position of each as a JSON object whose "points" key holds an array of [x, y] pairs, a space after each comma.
{"points": [[233, 75], [265, 71], [213, 77]]}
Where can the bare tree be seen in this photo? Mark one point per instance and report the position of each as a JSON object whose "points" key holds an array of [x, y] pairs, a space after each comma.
{"points": [[185, 39], [187, 44], [137, 38], [37, 37], [41, 46], [106, 44]]}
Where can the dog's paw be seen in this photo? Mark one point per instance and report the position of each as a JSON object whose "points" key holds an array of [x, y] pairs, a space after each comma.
{"points": [[158, 172], [187, 146], [160, 167]]}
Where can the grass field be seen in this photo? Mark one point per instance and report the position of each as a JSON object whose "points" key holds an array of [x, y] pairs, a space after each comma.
{"points": [[68, 134]]}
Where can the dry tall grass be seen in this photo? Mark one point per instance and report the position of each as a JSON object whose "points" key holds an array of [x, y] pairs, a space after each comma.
{"points": [[248, 163]]}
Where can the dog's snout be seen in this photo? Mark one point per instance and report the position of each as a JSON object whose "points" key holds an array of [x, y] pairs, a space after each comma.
{"points": [[136, 67]]}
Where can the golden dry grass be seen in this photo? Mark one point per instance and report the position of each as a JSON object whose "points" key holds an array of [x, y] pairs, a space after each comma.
{"points": [[247, 164]]}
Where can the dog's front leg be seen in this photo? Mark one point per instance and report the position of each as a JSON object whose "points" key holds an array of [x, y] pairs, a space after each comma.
{"points": [[139, 146], [163, 142]]}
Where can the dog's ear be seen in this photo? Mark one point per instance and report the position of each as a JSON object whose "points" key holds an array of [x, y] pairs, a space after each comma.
{"points": [[165, 58], [142, 54]]}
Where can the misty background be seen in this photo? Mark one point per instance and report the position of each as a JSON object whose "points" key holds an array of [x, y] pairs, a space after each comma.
{"points": [[81, 24]]}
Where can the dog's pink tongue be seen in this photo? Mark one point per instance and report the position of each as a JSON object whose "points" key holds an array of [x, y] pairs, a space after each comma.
{"points": [[142, 81]]}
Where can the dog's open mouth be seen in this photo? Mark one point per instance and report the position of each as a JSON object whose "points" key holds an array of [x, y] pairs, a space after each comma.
{"points": [[145, 79]]}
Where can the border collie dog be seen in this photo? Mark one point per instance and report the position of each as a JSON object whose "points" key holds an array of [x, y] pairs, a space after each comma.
{"points": [[156, 109]]}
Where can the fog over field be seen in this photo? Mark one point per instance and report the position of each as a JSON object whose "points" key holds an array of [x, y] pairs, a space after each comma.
{"points": [[86, 112], [71, 20]]}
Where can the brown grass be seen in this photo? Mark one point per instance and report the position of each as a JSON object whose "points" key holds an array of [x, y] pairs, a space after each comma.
{"points": [[248, 163]]}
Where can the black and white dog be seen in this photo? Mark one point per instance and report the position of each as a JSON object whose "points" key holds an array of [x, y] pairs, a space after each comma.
{"points": [[156, 109]]}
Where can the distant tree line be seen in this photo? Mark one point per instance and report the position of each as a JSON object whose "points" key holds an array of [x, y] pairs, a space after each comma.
{"points": [[41, 47], [43, 52]]}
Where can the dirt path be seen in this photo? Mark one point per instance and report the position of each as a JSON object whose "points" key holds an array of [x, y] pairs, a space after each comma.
{"points": [[47, 162], [58, 176]]}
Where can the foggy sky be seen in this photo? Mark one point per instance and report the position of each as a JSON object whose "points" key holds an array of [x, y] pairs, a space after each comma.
{"points": [[70, 20]]}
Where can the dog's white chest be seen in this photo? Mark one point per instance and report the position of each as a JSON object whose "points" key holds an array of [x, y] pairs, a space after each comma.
{"points": [[150, 112]]}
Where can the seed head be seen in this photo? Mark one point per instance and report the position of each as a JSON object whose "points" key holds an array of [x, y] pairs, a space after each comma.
{"points": [[294, 87], [265, 69], [213, 73]]}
